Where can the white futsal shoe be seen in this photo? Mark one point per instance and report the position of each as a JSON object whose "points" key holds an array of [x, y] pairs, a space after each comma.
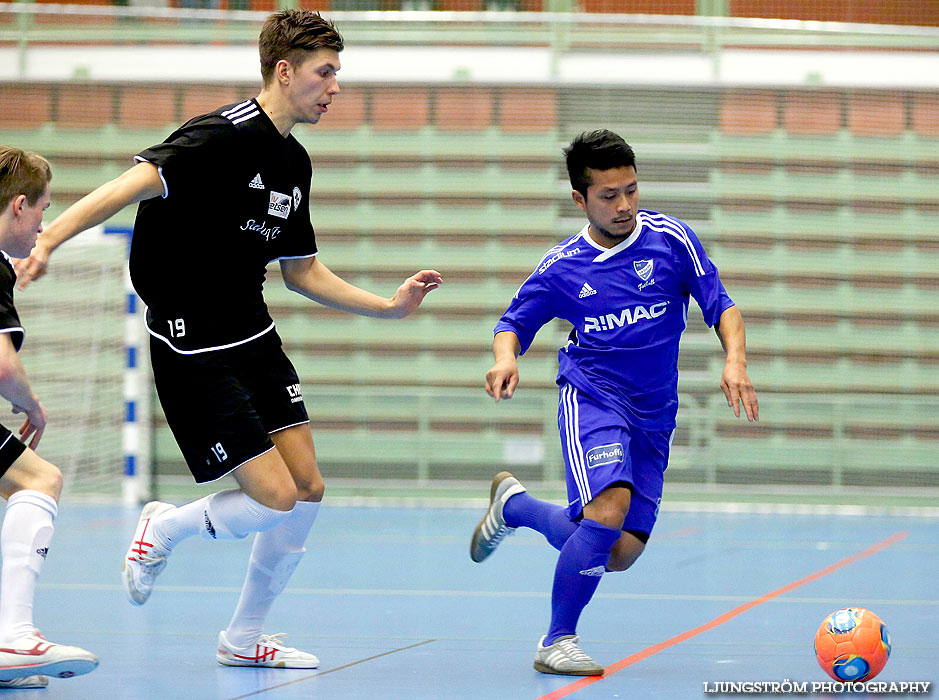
{"points": [[565, 658], [268, 652], [492, 528], [31, 657], [141, 566]]}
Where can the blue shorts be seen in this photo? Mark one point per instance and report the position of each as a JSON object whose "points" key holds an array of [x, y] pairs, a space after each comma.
{"points": [[601, 448]]}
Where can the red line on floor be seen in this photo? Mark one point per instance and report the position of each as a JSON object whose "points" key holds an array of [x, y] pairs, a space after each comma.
{"points": [[678, 639]]}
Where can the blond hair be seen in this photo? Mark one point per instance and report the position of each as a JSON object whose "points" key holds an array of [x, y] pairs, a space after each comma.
{"points": [[22, 172]]}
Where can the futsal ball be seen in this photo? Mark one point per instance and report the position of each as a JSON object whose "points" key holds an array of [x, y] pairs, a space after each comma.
{"points": [[852, 645]]}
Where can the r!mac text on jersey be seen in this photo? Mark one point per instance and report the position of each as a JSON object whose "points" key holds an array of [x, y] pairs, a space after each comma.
{"points": [[626, 317]]}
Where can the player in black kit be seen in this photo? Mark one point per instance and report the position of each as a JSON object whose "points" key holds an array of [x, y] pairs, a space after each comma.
{"points": [[30, 484], [229, 191]]}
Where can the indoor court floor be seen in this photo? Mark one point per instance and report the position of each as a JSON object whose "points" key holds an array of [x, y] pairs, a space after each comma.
{"points": [[394, 608]]}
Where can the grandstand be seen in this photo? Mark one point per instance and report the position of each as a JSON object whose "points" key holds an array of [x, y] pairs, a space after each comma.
{"points": [[818, 202]]}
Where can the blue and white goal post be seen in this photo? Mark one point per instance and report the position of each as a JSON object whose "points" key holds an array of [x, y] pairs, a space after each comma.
{"points": [[136, 439]]}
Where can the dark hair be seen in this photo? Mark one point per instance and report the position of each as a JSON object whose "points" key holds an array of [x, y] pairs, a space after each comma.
{"points": [[22, 172], [596, 150], [288, 34]]}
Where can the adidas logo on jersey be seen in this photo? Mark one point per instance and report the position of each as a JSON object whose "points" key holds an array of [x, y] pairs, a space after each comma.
{"points": [[256, 183], [586, 291]]}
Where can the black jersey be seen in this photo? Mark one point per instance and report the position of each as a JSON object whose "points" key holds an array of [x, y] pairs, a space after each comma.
{"points": [[236, 197], [9, 319]]}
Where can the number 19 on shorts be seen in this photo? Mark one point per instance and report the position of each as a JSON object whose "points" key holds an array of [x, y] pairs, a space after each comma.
{"points": [[177, 328], [219, 452]]}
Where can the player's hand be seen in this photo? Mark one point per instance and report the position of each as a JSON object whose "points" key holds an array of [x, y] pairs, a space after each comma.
{"points": [[34, 425], [410, 294], [502, 379], [33, 267], [736, 385]]}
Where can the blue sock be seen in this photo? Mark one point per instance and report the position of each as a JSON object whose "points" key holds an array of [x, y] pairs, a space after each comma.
{"points": [[581, 564], [524, 510]]}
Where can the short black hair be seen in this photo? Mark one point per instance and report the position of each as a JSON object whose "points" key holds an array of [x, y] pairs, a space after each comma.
{"points": [[598, 150]]}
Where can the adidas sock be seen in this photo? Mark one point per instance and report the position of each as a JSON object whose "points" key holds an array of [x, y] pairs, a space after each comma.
{"points": [[226, 515], [274, 556], [24, 542], [581, 564], [524, 510]]}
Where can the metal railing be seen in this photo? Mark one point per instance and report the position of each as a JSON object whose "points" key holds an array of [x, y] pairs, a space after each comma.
{"points": [[26, 24]]}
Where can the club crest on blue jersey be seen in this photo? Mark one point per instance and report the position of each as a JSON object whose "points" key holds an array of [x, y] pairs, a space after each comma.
{"points": [[297, 197], [643, 268]]}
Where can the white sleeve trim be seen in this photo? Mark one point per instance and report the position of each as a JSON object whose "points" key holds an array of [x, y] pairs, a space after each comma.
{"points": [[294, 257], [15, 329]]}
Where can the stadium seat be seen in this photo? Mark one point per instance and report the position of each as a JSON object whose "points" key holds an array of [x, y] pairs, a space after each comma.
{"points": [[463, 109], [812, 113], [347, 111], [825, 373], [832, 261], [528, 110], [400, 109], [877, 114], [148, 106], [838, 438], [439, 218], [748, 112], [823, 184], [202, 99], [433, 180], [925, 115], [84, 106], [428, 143], [25, 106], [405, 368], [837, 223], [772, 296]]}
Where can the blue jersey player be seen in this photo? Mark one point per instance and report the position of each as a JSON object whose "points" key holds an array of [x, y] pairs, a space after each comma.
{"points": [[624, 282]]}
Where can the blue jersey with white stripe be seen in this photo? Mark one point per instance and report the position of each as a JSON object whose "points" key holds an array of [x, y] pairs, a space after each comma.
{"points": [[629, 306]]}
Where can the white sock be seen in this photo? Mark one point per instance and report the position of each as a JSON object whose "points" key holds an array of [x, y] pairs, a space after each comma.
{"points": [[274, 556], [226, 515], [24, 542]]}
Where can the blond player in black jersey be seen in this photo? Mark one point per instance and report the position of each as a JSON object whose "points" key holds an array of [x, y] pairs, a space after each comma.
{"points": [[229, 192], [30, 484]]}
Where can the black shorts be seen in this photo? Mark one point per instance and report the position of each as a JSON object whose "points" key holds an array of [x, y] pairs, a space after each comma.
{"points": [[223, 405], [10, 449]]}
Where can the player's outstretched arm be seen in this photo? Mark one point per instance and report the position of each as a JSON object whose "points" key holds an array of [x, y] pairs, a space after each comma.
{"points": [[735, 382], [136, 184], [312, 279], [502, 378], [14, 387]]}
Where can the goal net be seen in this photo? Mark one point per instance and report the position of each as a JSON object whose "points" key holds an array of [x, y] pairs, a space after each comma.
{"points": [[74, 358]]}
